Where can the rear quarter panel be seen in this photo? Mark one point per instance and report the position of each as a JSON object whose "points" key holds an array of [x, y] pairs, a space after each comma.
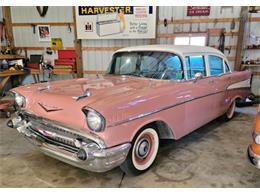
{"points": [[240, 85]]}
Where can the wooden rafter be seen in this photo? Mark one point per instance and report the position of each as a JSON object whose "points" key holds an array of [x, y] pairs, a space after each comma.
{"points": [[78, 48], [8, 20], [240, 39]]}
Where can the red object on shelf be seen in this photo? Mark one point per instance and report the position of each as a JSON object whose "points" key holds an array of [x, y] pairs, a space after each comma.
{"points": [[66, 58], [65, 54]]}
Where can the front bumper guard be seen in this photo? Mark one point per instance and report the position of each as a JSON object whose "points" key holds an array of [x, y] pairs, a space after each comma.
{"points": [[97, 159], [253, 158]]}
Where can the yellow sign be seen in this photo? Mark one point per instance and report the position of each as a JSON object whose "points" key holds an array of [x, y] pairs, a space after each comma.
{"points": [[56, 43]]}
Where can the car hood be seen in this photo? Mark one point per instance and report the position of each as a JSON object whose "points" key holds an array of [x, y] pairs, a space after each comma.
{"points": [[57, 100], [100, 87]]}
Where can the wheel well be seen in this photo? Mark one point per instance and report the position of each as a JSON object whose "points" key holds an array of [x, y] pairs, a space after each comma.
{"points": [[163, 130], [238, 99]]}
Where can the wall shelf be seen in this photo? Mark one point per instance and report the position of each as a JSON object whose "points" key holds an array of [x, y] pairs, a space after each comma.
{"points": [[250, 47], [251, 65]]}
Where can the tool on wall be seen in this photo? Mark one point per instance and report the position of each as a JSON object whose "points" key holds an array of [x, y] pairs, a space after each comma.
{"points": [[165, 23], [232, 27], [228, 49], [69, 28], [222, 42], [34, 28], [42, 11]]}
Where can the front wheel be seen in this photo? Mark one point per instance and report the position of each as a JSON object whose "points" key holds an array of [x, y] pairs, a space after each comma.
{"points": [[143, 152]]}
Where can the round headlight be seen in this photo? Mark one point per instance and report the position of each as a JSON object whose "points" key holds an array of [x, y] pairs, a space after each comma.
{"points": [[257, 139], [20, 100], [95, 121]]}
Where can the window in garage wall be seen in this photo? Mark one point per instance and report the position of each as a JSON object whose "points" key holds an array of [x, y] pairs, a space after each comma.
{"points": [[190, 40]]}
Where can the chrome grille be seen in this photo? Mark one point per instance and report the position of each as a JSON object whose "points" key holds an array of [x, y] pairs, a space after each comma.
{"points": [[54, 132]]}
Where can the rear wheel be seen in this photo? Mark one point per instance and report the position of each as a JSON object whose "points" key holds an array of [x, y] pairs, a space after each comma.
{"points": [[143, 152], [230, 112]]}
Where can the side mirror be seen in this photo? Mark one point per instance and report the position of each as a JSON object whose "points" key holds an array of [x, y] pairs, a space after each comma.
{"points": [[198, 76]]}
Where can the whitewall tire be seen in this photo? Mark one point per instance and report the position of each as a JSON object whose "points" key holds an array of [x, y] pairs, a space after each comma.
{"points": [[143, 152], [231, 111]]}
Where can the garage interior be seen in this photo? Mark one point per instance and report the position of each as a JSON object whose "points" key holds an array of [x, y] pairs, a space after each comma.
{"points": [[215, 155]]}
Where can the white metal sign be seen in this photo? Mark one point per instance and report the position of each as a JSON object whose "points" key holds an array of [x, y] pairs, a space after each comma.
{"points": [[116, 22]]}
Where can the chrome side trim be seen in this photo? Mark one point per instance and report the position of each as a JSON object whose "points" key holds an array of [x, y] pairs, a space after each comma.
{"points": [[165, 108], [160, 109]]}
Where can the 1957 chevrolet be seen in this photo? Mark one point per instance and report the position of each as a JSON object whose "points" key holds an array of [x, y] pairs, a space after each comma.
{"points": [[149, 93]]}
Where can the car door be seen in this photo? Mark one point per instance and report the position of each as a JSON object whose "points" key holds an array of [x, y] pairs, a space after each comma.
{"points": [[198, 97], [219, 80]]}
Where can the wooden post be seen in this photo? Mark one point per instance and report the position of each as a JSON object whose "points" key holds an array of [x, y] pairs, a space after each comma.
{"points": [[240, 38], [154, 41], [8, 20], [78, 47]]}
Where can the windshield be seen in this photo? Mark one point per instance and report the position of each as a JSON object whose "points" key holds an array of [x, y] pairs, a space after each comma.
{"points": [[156, 65]]}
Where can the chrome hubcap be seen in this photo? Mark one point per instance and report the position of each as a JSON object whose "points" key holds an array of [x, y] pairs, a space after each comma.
{"points": [[143, 148]]}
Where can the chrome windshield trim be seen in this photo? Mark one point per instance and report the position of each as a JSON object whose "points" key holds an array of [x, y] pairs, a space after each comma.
{"points": [[65, 127]]}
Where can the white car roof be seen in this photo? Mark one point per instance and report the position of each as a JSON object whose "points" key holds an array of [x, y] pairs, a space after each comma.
{"points": [[177, 49]]}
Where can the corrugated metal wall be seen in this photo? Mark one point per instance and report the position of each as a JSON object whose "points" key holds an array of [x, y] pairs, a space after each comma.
{"points": [[24, 35], [1, 13], [180, 12], [98, 60]]}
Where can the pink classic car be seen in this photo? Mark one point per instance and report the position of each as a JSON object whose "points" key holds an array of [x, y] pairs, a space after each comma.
{"points": [[149, 93]]}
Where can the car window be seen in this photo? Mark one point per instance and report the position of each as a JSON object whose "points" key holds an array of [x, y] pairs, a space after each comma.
{"points": [[215, 65], [194, 65], [128, 64], [149, 64], [227, 69], [174, 68]]}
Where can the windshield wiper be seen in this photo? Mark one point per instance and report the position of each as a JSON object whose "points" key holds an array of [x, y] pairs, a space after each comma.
{"points": [[133, 74]]}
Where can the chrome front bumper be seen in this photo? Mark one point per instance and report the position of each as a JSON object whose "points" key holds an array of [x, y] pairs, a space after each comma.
{"points": [[85, 151], [253, 158]]}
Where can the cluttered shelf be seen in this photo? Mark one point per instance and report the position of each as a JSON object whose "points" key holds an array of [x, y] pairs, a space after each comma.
{"points": [[253, 46], [10, 56], [251, 65]]}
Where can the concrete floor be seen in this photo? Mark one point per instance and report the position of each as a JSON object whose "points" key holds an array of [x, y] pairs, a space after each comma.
{"points": [[212, 156]]}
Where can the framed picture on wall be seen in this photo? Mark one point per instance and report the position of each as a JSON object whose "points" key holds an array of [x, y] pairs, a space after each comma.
{"points": [[44, 33]]}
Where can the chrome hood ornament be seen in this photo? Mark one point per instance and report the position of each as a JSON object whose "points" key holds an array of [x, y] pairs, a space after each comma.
{"points": [[87, 93]]}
